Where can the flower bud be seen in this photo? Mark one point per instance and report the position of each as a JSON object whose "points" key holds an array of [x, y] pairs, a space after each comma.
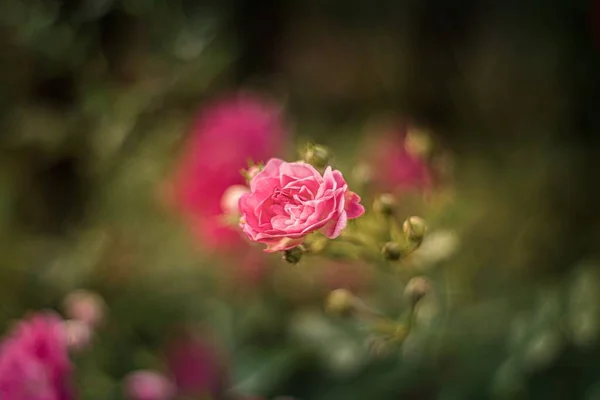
{"points": [[418, 143], [384, 204], [316, 155], [416, 289], [85, 306], [293, 255], [392, 251], [78, 334], [251, 172], [340, 302], [148, 385], [231, 198], [414, 229]]}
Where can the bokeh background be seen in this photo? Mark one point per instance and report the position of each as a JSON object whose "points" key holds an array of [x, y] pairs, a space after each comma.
{"points": [[99, 103]]}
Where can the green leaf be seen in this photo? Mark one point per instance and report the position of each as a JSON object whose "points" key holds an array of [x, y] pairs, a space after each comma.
{"points": [[257, 371]]}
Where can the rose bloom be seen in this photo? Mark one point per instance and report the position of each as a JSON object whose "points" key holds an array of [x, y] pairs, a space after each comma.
{"points": [[226, 134], [288, 201], [34, 363]]}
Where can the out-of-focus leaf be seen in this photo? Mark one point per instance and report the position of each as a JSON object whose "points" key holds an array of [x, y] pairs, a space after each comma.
{"points": [[258, 370]]}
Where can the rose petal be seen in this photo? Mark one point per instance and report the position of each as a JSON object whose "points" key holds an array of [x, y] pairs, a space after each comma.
{"points": [[283, 244], [334, 228], [353, 207]]}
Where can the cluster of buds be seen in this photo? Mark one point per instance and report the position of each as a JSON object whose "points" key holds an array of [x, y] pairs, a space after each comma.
{"points": [[296, 228], [386, 333], [413, 229]]}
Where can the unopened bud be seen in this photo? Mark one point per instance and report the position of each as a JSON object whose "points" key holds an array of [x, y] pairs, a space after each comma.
{"points": [[85, 306], [392, 251], [416, 289], [340, 302], [148, 385], [316, 155], [418, 143], [253, 171], [293, 255], [414, 229], [231, 198], [384, 204], [78, 334]]}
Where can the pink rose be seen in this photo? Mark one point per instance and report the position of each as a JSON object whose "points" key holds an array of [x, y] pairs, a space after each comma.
{"points": [[34, 362], [288, 201]]}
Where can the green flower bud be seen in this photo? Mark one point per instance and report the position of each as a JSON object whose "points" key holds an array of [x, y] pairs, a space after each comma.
{"points": [[316, 155], [293, 255], [414, 229], [416, 289], [384, 204], [392, 251], [340, 302], [418, 143]]}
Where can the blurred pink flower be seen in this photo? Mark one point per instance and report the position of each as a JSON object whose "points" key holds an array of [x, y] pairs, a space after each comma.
{"points": [[79, 334], [148, 385], [85, 306], [227, 134], [395, 169], [34, 363], [197, 366]]}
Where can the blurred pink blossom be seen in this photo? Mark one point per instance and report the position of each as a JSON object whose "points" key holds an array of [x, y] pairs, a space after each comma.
{"points": [[197, 366], [34, 363], [394, 168], [148, 385], [85, 306], [226, 135], [79, 334]]}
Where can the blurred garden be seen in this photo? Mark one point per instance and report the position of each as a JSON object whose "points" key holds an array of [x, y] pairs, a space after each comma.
{"points": [[299, 200]]}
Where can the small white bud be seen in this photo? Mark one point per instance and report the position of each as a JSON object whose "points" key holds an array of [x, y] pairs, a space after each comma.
{"points": [[231, 198], [78, 334]]}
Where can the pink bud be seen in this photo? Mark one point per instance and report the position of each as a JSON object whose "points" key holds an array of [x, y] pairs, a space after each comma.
{"points": [[148, 385], [78, 334], [231, 198], [85, 306]]}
